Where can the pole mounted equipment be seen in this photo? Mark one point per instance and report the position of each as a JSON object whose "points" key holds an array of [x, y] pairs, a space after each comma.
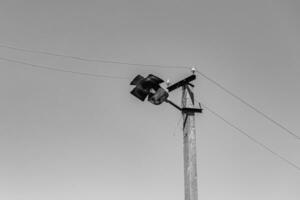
{"points": [[150, 87]]}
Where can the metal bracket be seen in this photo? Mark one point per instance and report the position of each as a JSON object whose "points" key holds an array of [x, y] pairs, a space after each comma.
{"points": [[185, 119], [191, 110], [185, 110], [173, 104], [190, 93], [183, 82]]}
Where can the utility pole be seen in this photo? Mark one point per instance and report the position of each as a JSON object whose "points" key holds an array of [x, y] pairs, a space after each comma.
{"points": [[189, 146], [149, 87]]}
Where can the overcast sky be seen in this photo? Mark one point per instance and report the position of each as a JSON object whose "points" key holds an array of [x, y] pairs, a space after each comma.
{"points": [[65, 136]]}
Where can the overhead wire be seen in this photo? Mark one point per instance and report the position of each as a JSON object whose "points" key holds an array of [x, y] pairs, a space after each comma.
{"points": [[202, 74], [267, 117], [89, 59], [35, 66], [239, 130], [249, 105]]}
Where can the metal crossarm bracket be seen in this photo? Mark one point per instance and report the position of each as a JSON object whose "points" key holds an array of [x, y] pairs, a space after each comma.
{"points": [[191, 110], [183, 82]]}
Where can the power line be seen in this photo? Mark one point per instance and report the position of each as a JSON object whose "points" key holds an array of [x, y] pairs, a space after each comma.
{"points": [[252, 138], [202, 74], [89, 59], [61, 70], [249, 105], [157, 66]]}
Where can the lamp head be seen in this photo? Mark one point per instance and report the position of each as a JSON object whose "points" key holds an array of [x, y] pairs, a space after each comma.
{"points": [[150, 87]]}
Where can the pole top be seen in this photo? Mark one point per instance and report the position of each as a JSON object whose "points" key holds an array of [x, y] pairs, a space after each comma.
{"points": [[168, 82], [193, 70]]}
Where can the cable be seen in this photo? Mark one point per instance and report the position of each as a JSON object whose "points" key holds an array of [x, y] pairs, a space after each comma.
{"points": [[158, 66], [249, 105], [88, 59], [161, 66], [61, 70], [252, 138]]}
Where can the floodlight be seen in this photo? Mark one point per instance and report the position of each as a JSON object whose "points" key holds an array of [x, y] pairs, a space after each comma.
{"points": [[139, 93], [158, 97], [136, 80], [150, 87]]}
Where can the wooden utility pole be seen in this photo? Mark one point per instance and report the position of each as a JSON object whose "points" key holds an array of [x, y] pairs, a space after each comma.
{"points": [[150, 87], [189, 145]]}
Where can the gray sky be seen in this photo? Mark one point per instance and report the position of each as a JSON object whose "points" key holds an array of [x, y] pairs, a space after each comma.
{"points": [[66, 136]]}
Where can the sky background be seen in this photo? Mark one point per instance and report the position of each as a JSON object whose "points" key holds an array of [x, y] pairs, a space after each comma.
{"points": [[70, 137]]}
